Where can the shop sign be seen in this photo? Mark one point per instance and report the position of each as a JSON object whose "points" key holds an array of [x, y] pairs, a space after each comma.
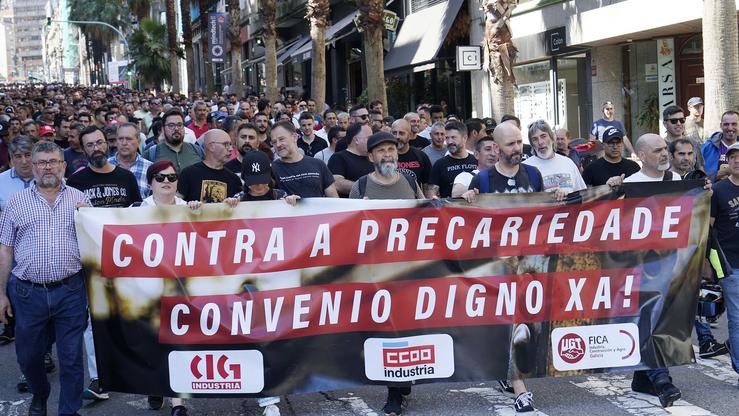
{"points": [[469, 58], [556, 41], [390, 19], [666, 74]]}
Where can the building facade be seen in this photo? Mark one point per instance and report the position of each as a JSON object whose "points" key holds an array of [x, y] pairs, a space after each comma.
{"points": [[29, 18]]}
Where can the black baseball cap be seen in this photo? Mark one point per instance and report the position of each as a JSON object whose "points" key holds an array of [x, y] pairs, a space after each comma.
{"points": [[4, 127], [611, 133], [379, 138], [256, 168]]}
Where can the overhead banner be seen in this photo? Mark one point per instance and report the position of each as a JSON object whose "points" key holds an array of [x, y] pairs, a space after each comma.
{"points": [[217, 31], [268, 299]]}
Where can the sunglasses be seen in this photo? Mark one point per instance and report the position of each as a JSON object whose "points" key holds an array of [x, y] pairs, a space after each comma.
{"points": [[160, 177], [676, 120]]}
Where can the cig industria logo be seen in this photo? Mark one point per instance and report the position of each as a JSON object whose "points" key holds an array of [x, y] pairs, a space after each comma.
{"points": [[410, 358], [216, 371]]}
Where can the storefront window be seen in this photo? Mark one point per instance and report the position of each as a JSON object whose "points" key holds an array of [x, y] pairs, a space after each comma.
{"points": [[643, 88], [534, 98], [572, 96]]}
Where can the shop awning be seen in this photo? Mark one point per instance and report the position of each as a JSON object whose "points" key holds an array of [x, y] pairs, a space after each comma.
{"points": [[287, 54], [282, 52], [421, 35], [331, 32]]}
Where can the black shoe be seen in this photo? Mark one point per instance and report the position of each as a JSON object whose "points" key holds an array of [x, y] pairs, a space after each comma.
{"points": [[524, 402], [394, 405], [38, 406], [7, 336], [179, 411], [49, 363], [640, 383], [22, 385], [712, 349], [505, 386], [667, 393], [155, 402], [95, 392]]}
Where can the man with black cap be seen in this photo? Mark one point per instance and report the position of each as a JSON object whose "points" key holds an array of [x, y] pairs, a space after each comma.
{"points": [[612, 163], [385, 182], [694, 121]]}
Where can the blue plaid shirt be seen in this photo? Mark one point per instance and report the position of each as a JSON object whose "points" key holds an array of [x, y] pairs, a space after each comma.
{"points": [[43, 237], [138, 168]]}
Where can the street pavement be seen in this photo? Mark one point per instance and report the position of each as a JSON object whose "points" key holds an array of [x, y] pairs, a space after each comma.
{"points": [[709, 388]]}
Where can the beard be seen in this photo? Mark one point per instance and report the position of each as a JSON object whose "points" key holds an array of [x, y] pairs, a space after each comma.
{"points": [[243, 150], [98, 159], [48, 181], [387, 167], [175, 138], [512, 159], [663, 166], [547, 153]]}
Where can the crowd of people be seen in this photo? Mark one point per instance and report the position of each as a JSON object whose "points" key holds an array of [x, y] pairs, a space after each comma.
{"points": [[64, 147]]}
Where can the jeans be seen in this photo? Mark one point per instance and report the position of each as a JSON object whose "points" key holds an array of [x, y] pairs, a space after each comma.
{"points": [[730, 285], [39, 309], [703, 331]]}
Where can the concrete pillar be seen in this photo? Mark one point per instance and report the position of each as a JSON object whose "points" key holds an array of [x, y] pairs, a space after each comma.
{"points": [[607, 79], [479, 80]]}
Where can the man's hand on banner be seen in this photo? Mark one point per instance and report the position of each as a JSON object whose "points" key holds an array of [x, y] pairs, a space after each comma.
{"points": [[615, 181], [560, 194], [292, 199], [194, 205], [231, 202]]}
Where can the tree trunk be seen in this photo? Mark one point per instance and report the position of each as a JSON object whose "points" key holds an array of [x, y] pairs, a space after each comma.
{"points": [[209, 81], [370, 17], [720, 63], [268, 13], [174, 70], [318, 15], [500, 54], [187, 42], [234, 32]]}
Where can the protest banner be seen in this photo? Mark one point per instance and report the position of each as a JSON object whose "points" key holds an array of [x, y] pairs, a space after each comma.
{"points": [[268, 299]]}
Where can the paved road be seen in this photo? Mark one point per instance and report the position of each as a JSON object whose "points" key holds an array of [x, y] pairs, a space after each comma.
{"points": [[709, 388]]}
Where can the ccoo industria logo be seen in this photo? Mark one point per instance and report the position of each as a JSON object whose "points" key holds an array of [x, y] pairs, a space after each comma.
{"points": [[216, 371], [411, 358]]}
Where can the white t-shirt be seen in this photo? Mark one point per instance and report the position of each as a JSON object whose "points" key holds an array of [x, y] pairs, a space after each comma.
{"points": [[641, 177], [465, 178], [558, 172]]}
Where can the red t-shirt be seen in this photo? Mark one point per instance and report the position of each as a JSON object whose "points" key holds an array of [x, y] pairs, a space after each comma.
{"points": [[198, 130]]}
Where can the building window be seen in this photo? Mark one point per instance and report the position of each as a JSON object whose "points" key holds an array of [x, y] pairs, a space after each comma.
{"points": [[418, 5]]}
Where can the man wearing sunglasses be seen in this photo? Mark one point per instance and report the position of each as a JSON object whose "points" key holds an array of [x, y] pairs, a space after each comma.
{"points": [[673, 118]]}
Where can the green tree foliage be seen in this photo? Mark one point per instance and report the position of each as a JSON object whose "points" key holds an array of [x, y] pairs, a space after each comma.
{"points": [[150, 53], [114, 12]]}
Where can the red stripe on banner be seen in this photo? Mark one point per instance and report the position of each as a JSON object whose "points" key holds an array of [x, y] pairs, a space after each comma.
{"points": [[241, 246], [398, 306]]}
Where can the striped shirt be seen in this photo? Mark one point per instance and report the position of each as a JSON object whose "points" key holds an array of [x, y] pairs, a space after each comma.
{"points": [[138, 168], [44, 238]]}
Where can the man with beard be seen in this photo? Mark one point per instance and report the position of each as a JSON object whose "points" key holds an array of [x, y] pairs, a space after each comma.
{"points": [[387, 182], [199, 124], [559, 172], [294, 173], [209, 180], [414, 139], [673, 118], [359, 114], [448, 167], [351, 164], [247, 141], [127, 157], [174, 148], [612, 164], [411, 160], [61, 127], [74, 156], [486, 157], [30, 129], [714, 150], [261, 123], [437, 149], [46, 269]]}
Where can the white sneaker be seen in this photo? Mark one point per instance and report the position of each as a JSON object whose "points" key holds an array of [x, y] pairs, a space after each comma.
{"points": [[271, 410]]}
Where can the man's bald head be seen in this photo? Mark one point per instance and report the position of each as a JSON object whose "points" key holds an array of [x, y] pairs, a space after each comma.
{"points": [[652, 151], [647, 141], [402, 124], [215, 135], [505, 130], [509, 143]]}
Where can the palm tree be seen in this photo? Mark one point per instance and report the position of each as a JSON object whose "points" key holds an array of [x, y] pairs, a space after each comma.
{"points": [[268, 13], [318, 13], [172, 45], [500, 54], [720, 65], [370, 18], [150, 53], [209, 87], [187, 43], [139, 8], [234, 35]]}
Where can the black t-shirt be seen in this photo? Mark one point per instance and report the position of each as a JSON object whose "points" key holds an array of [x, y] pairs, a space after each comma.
{"points": [[415, 163], [198, 182], [269, 196], [234, 165], [598, 172], [115, 189], [501, 184], [349, 165], [314, 147], [446, 169], [419, 142], [725, 209], [307, 178]]}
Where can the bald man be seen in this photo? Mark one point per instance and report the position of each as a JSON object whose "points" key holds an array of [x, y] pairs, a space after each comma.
{"points": [[415, 139], [655, 160], [209, 181], [411, 160]]}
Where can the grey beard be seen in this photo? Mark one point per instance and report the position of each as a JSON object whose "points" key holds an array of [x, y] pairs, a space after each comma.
{"points": [[387, 169]]}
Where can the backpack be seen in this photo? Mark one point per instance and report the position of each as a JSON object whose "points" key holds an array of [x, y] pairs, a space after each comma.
{"points": [[531, 172], [152, 151], [363, 184]]}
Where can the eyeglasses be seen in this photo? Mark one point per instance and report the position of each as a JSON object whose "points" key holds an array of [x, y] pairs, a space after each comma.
{"points": [[93, 145], [43, 164], [676, 120], [173, 126], [171, 177]]}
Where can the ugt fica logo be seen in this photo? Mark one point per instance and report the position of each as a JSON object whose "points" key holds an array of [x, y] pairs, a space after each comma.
{"points": [[216, 371], [411, 358], [571, 348]]}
